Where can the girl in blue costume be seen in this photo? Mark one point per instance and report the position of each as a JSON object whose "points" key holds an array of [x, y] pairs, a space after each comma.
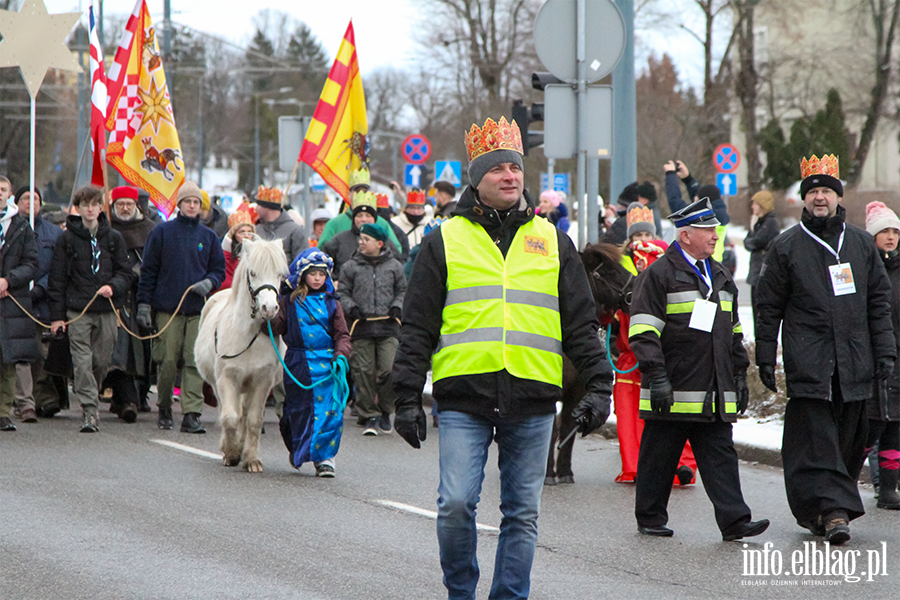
{"points": [[313, 328]]}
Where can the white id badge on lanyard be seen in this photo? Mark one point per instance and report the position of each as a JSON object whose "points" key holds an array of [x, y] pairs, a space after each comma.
{"points": [[703, 316], [842, 279]]}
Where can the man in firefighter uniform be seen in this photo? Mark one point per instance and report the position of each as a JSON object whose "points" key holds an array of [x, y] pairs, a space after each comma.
{"points": [[496, 296], [687, 338]]}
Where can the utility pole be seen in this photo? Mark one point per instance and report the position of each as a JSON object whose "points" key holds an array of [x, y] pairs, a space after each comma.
{"points": [[200, 132], [623, 169]]}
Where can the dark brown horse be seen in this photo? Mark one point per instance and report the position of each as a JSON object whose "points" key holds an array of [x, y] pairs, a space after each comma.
{"points": [[611, 287]]}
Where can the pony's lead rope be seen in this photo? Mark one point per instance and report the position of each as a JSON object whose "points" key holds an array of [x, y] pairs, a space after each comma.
{"points": [[609, 356], [339, 369], [115, 311]]}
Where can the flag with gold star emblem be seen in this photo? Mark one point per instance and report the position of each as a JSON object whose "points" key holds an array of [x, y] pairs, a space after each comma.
{"points": [[143, 142]]}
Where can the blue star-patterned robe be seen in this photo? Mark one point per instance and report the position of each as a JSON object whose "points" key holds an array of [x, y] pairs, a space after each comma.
{"points": [[312, 422]]}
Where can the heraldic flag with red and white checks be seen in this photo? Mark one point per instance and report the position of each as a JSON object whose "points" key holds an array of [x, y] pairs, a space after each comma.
{"points": [[98, 102]]}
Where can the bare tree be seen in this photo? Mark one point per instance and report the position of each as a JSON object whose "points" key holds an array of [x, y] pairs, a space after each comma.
{"points": [[746, 86], [884, 15]]}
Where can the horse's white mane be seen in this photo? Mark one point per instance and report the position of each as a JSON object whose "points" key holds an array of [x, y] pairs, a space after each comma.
{"points": [[265, 259]]}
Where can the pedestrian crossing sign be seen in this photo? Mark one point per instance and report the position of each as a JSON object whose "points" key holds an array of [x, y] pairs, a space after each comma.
{"points": [[449, 171]]}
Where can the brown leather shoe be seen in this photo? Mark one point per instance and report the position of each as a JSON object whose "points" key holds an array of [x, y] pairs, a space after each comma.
{"points": [[837, 531], [29, 416]]}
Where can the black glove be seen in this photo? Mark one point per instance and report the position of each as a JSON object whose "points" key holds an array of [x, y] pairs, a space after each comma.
{"points": [[203, 287], [37, 293], [742, 392], [395, 312], [884, 366], [143, 316], [767, 375], [591, 412], [661, 394], [357, 315], [410, 420]]}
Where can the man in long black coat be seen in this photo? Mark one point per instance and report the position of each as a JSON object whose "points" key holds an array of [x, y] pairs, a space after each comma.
{"points": [[18, 264], [824, 281]]}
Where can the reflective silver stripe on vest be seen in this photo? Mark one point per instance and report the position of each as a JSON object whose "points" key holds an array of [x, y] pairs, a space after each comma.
{"points": [[645, 319], [533, 340], [698, 397], [485, 334], [679, 297], [539, 299], [474, 293], [726, 296]]}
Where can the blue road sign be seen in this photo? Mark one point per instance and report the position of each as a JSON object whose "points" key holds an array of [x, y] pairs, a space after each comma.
{"points": [[560, 182], [727, 183], [449, 171], [416, 148], [318, 184], [412, 176]]}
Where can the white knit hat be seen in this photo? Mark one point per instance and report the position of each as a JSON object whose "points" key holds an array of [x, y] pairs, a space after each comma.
{"points": [[880, 217]]}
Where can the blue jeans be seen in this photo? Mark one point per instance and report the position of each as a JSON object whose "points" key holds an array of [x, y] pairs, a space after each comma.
{"points": [[464, 441]]}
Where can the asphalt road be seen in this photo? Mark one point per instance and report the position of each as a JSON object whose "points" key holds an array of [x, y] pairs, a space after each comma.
{"points": [[117, 515]]}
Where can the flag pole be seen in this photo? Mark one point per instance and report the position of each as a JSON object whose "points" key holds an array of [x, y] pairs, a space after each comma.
{"points": [[31, 166], [291, 180]]}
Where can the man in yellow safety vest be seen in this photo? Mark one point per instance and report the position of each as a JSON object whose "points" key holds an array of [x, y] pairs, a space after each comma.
{"points": [[496, 296]]}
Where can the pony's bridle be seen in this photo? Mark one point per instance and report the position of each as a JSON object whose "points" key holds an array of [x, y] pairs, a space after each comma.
{"points": [[620, 292], [254, 311], [254, 292]]}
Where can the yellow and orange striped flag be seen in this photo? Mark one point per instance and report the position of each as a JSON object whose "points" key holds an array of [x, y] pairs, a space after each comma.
{"points": [[336, 143]]}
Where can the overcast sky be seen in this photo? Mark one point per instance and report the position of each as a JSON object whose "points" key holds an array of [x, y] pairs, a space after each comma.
{"points": [[384, 28]]}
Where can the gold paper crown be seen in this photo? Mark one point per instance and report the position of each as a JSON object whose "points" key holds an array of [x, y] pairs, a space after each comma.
{"points": [[365, 199], [415, 197], [359, 177], [827, 165], [640, 214], [273, 195], [493, 136]]}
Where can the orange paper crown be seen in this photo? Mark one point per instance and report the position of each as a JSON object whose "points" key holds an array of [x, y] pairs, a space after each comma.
{"points": [[269, 194], [382, 201], [640, 214], [493, 136], [827, 165], [416, 197]]}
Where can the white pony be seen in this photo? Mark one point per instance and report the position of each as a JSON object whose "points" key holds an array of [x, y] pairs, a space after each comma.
{"points": [[234, 354]]}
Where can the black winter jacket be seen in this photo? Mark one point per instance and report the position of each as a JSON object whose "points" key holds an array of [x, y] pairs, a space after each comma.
{"points": [[823, 333], [497, 393], [72, 282], [693, 360], [758, 241], [18, 264], [888, 408]]}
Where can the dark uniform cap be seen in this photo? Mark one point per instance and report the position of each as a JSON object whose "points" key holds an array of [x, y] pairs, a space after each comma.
{"points": [[698, 214]]}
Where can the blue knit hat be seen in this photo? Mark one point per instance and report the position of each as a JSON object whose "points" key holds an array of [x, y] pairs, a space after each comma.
{"points": [[306, 260]]}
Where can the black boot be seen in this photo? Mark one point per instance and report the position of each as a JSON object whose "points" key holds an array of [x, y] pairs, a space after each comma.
{"points": [[164, 420], [191, 423], [887, 482]]}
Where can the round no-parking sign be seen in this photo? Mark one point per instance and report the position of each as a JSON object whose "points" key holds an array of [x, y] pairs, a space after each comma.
{"points": [[416, 148]]}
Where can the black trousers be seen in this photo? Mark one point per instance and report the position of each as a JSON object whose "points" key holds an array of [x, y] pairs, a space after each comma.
{"points": [[823, 451], [717, 461]]}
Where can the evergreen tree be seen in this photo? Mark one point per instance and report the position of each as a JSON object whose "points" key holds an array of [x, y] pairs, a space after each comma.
{"points": [[305, 52], [780, 171], [829, 133]]}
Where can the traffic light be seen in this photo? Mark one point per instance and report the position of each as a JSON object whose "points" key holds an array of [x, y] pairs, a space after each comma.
{"points": [[524, 116]]}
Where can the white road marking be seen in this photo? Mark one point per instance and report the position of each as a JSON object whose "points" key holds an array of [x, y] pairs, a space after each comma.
{"points": [[427, 513], [184, 448]]}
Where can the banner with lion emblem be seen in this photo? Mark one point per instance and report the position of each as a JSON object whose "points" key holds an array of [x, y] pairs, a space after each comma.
{"points": [[143, 142]]}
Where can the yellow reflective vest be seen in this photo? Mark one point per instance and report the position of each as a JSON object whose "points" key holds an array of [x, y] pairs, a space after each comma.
{"points": [[501, 313]]}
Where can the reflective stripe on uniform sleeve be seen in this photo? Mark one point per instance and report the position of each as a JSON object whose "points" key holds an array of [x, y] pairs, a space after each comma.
{"points": [[726, 300], [681, 302], [643, 323], [737, 328]]}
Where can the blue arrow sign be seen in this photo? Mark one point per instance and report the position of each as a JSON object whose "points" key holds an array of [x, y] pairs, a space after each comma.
{"points": [[727, 183], [560, 182], [412, 176]]}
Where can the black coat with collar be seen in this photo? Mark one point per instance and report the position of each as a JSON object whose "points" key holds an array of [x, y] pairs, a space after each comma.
{"points": [[822, 332], [497, 393], [72, 282], [18, 265], [693, 360]]}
